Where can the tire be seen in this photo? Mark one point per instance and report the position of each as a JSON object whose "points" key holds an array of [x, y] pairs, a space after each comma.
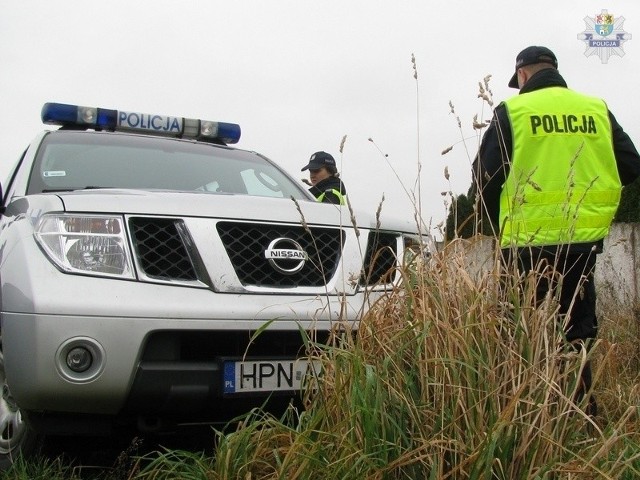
{"points": [[16, 437]]}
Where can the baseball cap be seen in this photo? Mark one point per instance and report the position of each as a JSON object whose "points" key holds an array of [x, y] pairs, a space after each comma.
{"points": [[529, 56], [319, 160]]}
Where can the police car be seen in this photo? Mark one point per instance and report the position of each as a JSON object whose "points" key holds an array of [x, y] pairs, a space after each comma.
{"points": [[153, 276]]}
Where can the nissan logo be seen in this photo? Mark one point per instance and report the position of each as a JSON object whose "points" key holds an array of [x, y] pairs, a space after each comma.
{"points": [[285, 255]]}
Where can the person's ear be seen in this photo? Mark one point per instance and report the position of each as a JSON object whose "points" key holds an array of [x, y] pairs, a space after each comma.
{"points": [[523, 76]]}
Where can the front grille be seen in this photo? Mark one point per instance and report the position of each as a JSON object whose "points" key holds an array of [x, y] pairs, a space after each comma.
{"points": [[246, 244], [161, 250], [380, 259]]}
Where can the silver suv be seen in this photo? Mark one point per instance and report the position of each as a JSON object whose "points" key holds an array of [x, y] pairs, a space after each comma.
{"points": [[151, 276]]}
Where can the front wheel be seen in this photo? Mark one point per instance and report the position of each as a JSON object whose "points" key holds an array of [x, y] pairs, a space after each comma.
{"points": [[16, 437]]}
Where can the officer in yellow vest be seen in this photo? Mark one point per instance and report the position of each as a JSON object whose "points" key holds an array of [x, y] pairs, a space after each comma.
{"points": [[323, 176], [549, 173]]}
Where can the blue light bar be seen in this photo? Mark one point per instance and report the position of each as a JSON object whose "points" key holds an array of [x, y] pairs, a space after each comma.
{"points": [[150, 124]]}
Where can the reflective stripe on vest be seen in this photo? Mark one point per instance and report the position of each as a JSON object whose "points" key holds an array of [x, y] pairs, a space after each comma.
{"points": [[337, 193], [563, 184]]}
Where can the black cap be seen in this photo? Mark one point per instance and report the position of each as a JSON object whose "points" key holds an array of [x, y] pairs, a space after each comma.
{"points": [[319, 160], [529, 56]]}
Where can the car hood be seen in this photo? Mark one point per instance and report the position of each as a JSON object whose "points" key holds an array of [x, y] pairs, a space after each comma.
{"points": [[221, 206]]}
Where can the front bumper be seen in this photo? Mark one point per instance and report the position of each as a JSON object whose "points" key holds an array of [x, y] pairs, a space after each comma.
{"points": [[149, 364]]}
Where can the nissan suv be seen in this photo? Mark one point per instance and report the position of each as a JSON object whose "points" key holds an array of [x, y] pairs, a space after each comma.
{"points": [[151, 275]]}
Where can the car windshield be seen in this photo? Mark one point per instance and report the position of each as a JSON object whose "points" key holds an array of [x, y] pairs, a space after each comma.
{"points": [[73, 160]]}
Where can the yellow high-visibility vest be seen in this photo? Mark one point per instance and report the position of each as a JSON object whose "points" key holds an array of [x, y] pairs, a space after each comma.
{"points": [[337, 193], [563, 185]]}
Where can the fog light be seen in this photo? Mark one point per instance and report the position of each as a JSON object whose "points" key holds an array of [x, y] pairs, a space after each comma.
{"points": [[79, 359]]}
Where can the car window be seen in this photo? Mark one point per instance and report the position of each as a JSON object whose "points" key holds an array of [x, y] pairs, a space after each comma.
{"points": [[70, 160]]}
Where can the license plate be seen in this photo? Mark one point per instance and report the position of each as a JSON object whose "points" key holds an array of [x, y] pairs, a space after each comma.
{"points": [[252, 376]]}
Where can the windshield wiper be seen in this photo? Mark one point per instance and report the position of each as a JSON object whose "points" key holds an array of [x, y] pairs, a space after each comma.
{"points": [[71, 189]]}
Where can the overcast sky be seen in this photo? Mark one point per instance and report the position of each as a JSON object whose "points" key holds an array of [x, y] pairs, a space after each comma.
{"points": [[299, 75]]}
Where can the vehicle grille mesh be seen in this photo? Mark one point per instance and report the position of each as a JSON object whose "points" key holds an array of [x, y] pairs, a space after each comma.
{"points": [[246, 244], [380, 259], [161, 249]]}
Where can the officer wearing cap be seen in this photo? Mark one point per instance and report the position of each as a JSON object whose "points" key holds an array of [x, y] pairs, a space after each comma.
{"points": [[323, 176], [549, 174]]}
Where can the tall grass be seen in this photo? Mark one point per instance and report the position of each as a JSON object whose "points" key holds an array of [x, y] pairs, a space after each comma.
{"points": [[457, 374]]}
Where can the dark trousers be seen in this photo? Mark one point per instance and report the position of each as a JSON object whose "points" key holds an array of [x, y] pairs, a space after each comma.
{"points": [[573, 273]]}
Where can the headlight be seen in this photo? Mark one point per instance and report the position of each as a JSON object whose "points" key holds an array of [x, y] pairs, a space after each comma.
{"points": [[87, 244]]}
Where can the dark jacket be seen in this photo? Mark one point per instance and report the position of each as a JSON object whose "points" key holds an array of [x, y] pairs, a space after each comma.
{"points": [[326, 186], [491, 165]]}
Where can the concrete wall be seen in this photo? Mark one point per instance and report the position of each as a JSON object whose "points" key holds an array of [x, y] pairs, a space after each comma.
{"points": [[617, 275], [617, 268]]}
